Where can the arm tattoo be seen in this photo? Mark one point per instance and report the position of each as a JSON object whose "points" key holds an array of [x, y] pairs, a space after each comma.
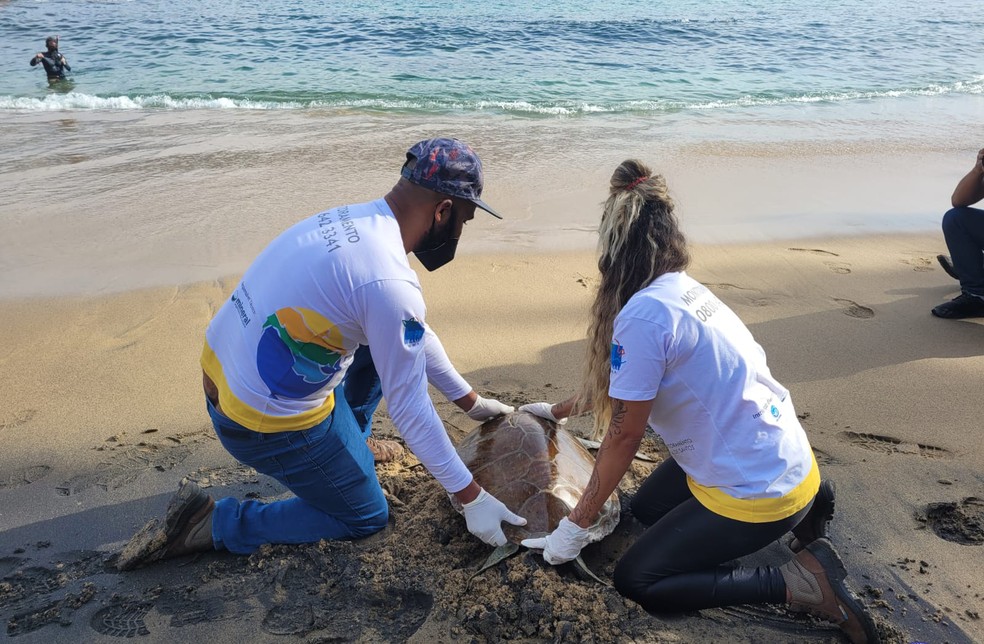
{"points": [[587, 498], [591, 500], [618, 417]]}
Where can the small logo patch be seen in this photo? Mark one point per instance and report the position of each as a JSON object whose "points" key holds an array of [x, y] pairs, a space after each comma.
{"points": [[618, 355], [413, 332]]}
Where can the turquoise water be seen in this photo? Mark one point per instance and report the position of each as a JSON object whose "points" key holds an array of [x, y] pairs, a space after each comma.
{"points": [[558, 59], [191, 133]]}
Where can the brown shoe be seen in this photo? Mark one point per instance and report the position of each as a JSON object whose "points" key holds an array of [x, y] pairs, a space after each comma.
{"points": [[384, 451], [815, 584], [187, 529]]}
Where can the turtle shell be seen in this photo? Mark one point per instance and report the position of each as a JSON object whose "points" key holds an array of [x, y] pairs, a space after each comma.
{"points": [[537, 469]]}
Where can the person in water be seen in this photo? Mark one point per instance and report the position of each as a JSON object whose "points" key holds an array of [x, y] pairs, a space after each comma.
{"points": [[55, 64]]}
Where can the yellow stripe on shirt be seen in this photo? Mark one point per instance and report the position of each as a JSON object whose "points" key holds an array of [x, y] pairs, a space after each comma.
{"points": [[240, 412], [759, 510]]}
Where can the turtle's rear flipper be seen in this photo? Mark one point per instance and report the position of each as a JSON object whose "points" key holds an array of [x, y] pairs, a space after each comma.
{"points": [[582, 569], [499, 554]]}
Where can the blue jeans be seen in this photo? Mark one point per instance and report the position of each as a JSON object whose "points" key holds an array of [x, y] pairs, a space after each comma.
{"points": [[963, 230], [328, 467]]}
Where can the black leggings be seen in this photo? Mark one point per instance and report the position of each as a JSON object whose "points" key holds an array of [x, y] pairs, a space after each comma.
{"points": [[676, 564]]}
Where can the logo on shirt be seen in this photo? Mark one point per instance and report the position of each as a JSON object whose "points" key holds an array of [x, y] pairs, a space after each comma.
{"points": [[618, 355], [413, 332], [769, 407], [298, 352], [243, 318]]}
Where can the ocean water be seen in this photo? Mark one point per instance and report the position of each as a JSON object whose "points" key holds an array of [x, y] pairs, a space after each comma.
{"points": [[511, 56], [190, 133]]}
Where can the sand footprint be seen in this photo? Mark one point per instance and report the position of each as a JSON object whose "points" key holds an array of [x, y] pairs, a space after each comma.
{"points": [[752, 296], [815, 251], [855, 310], [838, 267], [24, 476], [919, 264], [586, 281], [17, 418], [824, 458], [33, 596], [892, 445], [125, 619], [961, 522], [126, 463]]}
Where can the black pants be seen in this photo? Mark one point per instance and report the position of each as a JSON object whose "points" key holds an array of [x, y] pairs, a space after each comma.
{"points": [[676, 564]]}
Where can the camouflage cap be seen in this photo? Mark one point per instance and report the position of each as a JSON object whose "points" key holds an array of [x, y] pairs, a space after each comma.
{"points": [[447, 166]]}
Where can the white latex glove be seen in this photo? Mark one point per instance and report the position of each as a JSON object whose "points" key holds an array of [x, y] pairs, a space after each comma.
{"points": [[484, 517], [486, 408], [542, 409], [563, 544]]}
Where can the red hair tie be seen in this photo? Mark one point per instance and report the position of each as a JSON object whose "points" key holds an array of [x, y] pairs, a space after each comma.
{"points": [[635, 183]]}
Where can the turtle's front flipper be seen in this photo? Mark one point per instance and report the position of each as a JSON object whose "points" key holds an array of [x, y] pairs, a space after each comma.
{"points": [[590, 444], [583, 567], [499, 554]]}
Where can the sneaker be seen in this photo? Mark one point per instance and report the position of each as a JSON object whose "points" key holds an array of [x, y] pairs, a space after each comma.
{"points": [[384, 451], [964, 305], [815, 585], [947, 266], [188, 521], [187, 529], [816, 523]]}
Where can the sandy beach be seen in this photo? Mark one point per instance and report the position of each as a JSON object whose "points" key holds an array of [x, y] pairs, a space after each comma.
{"points": [[810, 149], [122, 240], [102, 415]]}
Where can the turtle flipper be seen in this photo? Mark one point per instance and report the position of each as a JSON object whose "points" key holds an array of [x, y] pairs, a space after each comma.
{"points": [[499, 554], [583, 568], [590, 444]]}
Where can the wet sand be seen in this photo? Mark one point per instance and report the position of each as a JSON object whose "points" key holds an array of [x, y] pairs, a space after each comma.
{"points": [[102, 202]]}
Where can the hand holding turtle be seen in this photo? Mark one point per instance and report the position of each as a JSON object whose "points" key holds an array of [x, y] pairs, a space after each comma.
{"points": [[484, 516], [563, 544], [543, 410], [487, 408]]}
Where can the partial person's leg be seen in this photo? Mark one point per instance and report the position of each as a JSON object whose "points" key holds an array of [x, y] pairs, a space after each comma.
{"points": [[676, 565], [328, 467], [963, 230], [664, 489], [816, 524], [363, 391]]}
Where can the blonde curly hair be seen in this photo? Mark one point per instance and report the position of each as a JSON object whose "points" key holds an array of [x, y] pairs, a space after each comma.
{"points": [[639, 239]]}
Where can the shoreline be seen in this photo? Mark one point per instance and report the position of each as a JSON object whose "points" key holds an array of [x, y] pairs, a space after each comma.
{"points": [[106, 202]]}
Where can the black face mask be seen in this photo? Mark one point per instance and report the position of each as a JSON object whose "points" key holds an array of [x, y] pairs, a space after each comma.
{"points": [[437, 248]]}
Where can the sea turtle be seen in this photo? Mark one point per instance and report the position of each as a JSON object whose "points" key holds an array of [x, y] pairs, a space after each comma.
{"points": [[538, 469]]}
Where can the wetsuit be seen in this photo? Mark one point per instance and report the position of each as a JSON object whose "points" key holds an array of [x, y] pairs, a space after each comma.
{"points": [[54, 64]]}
